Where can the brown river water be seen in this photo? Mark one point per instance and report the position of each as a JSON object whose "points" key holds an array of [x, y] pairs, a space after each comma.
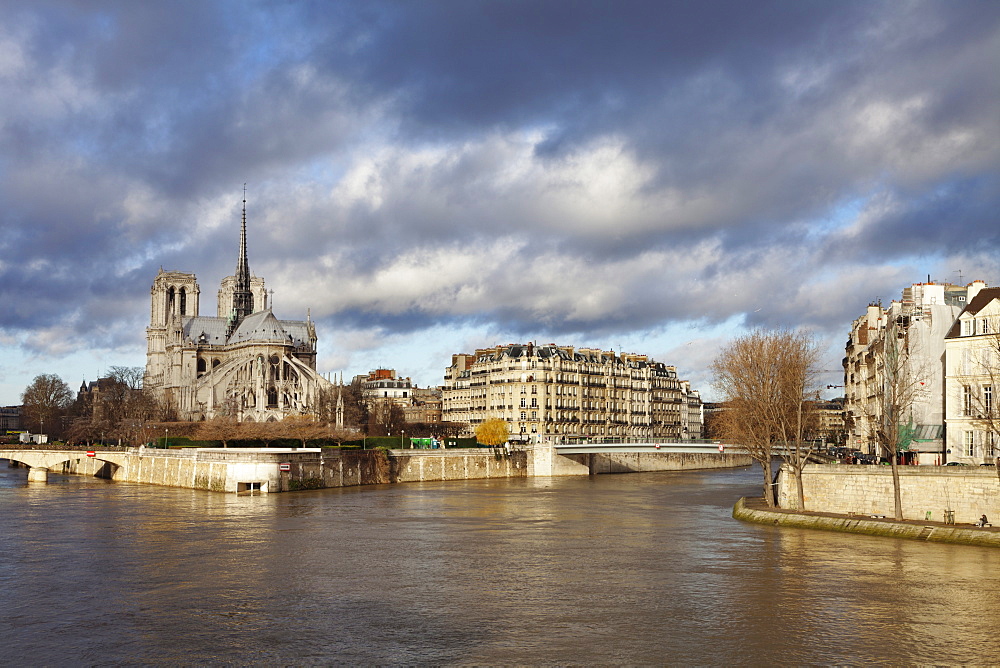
{"points": [[612, 569]]}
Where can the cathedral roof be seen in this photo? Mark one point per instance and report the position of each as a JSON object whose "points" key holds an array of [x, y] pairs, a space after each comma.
{"points": [[260, 327], [203, 329]]}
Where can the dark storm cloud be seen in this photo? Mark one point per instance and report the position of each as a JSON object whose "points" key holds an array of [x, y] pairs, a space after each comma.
{"points": [[477, 64], [576, 167]]}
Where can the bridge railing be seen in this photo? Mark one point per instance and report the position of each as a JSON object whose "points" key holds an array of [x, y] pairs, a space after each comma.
{"points": [[61, 447]]}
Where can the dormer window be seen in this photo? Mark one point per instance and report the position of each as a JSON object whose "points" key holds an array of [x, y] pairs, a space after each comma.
{"points": [[967, 328]]}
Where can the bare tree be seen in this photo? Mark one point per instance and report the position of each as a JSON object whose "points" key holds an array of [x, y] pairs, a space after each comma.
{"points": [[793, 412], [764, 378], [44, 402], [222, 428], [305, 427], [124, 404], [900, 386], [356, 413], [266, 432], [386, 418]]}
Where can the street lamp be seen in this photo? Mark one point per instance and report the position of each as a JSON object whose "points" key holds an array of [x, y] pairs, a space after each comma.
{"points": [[166, 438]]}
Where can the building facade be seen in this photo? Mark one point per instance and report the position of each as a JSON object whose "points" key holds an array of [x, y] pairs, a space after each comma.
{"points": [[384, 386], [557, 393], [243, 363], [911, 330], [972, 363], [425, 406], [10, 419]]}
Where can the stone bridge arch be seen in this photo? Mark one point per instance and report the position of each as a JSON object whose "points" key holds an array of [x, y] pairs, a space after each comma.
{"points": [[41, 462]]}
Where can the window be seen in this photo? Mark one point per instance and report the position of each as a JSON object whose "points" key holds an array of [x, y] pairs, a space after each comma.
{"points": [[534, 402], [988, 399], [969, 443], [524, 415], [524, 402], [984, 326], [966, 400], [966, 328]]}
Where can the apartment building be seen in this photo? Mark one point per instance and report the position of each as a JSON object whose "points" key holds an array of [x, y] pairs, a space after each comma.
{"points": [[829, 426], [383, 385], [425, 406], [559, 393], [972, 364], [914, 329]]}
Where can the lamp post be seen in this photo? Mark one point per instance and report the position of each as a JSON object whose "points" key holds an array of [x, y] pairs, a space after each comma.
{"points": [[166, 438]]}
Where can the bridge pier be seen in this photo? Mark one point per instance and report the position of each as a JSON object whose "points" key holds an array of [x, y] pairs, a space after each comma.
{"points": [[38, 474]]}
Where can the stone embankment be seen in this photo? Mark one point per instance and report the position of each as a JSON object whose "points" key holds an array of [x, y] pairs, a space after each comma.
{"points": [[269, 470], [756, 511], [964, 493]]}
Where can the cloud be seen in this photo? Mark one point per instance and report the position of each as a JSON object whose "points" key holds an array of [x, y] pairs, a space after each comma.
{"points": [[436, 174]]}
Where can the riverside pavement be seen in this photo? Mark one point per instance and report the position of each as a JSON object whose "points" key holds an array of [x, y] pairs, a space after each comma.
{"points": [[755, 510]]}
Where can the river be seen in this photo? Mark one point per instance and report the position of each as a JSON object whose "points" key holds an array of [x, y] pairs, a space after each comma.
{"points": [[612, 569]]}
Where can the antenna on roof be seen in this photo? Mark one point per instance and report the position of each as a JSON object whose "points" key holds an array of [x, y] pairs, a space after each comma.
{"points": [[959, 272]]}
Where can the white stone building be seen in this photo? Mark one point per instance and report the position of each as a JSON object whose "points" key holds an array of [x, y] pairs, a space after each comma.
{"points": [[915, 326], [244, 362], [972, 362], [558, 393]]}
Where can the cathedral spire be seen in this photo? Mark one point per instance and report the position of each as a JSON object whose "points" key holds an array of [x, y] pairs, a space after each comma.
{"points": [[242, 296]]}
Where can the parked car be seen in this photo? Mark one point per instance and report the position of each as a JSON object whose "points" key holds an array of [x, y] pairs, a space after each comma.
{"points": [[956, 464]]}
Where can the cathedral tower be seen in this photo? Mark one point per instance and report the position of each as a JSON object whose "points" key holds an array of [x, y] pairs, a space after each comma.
{"points": [[174, 295]]}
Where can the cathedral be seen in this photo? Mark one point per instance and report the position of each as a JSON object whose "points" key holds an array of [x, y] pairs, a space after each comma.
{"points": [[243, 363]]}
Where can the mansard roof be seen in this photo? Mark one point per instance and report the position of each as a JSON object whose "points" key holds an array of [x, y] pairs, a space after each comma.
{"points": [[977, 304], [566, 353]]}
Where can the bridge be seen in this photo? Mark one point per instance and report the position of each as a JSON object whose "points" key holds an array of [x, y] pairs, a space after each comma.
{"points": [[41, 462], [679, 447], [689, 447]]}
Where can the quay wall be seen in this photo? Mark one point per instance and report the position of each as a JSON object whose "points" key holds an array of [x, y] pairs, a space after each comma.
{"points": [[239, 470], [926, 491], [260, 470], [632, 462], [752, 510], [545, 461]]}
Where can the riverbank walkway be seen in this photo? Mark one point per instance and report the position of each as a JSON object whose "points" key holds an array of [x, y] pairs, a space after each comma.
{"points": [[754, 509]]}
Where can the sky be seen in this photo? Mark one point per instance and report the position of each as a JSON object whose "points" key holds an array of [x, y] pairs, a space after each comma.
{"points": [[427, 178]]}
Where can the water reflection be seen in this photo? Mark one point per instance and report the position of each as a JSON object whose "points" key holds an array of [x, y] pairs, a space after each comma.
{"points": [[645, 568]]}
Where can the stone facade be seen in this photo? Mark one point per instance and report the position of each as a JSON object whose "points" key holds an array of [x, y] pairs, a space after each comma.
{"points": [[557, 393], [913, 328], [243, 363]]}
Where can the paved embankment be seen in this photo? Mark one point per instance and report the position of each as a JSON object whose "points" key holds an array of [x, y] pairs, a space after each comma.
{"points": [[755, 510]]}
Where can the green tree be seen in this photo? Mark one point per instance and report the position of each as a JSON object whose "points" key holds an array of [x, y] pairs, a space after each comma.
{"points": [[492, 432], [44, 402]]}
